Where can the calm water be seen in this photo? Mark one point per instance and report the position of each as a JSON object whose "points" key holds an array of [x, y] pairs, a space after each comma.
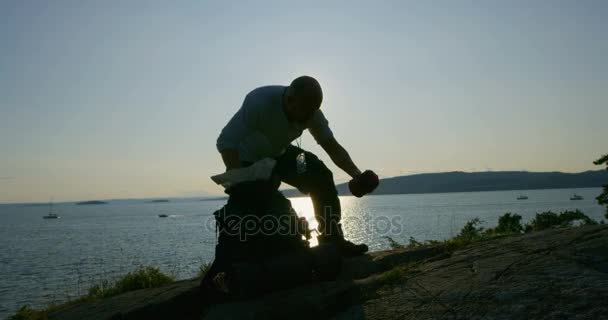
{"points": [[42, 261]]}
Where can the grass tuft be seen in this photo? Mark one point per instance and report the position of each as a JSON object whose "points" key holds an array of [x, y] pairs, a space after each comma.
{"points": [[141, 278], [203, 269]]}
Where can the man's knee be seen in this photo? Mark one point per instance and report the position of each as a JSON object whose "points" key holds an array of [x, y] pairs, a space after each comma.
{"points": [[322, 178]]}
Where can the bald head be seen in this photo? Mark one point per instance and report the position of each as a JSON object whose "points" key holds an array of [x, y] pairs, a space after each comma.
{"points": [[303, 98], [308, 90]]}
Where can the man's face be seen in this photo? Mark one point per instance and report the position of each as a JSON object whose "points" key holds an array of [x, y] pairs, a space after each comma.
{"points": [[299, 110]]}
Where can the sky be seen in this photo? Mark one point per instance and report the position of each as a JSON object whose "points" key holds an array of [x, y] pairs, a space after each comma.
{"points": [[125, 99]]}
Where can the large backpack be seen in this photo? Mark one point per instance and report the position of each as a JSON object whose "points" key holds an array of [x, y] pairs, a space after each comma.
{"points": [[263, 245]]}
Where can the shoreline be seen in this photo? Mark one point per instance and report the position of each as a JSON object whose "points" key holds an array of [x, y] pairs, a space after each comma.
{"points": [[471, 234], [405, 283]]}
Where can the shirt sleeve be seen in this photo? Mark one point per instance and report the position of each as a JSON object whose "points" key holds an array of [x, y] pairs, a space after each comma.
{"points": [[242, 124], [318, 127]]}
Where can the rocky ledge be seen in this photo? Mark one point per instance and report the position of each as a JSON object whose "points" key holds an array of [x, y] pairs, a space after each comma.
{"points": [[559, 273]]}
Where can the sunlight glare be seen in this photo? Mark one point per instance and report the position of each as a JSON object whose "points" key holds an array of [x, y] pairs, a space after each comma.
{"points": [[303, 207]]}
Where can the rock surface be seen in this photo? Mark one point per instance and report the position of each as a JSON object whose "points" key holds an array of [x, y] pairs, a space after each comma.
{"points": [[554, 274]]}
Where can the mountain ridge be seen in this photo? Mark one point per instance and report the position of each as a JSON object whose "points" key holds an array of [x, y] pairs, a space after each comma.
{"points": [[460, 181]]}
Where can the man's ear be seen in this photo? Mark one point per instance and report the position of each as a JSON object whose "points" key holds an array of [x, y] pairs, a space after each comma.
{"points": [[289, 97]]}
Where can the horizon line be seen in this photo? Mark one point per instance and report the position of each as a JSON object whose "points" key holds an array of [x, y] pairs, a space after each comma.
{"points": [[221, 195]]}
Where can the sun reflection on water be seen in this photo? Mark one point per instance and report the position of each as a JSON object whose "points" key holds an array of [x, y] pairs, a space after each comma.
{"points": [[303, 207]]}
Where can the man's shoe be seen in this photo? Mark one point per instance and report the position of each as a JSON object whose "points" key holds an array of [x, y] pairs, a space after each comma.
{"points": [[350, 249], [345, 247], [336, 236]]}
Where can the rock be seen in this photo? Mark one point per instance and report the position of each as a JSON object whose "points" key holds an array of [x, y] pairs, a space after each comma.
{"points": [[559, 273], [179, 298], [555, 274]]}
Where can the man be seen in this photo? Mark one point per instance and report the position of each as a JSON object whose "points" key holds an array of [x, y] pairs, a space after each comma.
{"points": [[270, 118]]}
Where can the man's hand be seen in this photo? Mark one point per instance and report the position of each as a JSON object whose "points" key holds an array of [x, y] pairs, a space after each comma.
{"points": [[363, 183]]}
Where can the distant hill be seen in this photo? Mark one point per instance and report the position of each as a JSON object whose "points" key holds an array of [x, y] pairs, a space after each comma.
{"points": [[158, 201], [481, 181], [88, 203], [215, 198]]}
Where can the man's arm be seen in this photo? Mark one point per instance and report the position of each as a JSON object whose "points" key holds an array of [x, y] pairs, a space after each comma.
{"points": [[340, 156]]}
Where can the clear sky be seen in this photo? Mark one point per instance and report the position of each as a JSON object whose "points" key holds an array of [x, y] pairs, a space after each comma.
{"points": [[121, 99]]}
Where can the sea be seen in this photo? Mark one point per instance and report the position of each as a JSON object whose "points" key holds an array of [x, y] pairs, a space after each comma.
{"points": [[45, 261]]}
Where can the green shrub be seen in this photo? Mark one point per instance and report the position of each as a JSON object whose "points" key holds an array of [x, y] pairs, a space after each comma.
{"points": [[567, 217], [549, 219], [602, 199], [203, 269], [413, 243], [393, 244], [142, 278], [433, 242], [507, 224], [27, 313], [471, 231], [543, 221], [392, 276]]}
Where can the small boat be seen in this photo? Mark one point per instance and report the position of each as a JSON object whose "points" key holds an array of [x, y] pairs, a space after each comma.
{"points": [[522, 197], [51, 215], [162, 215], [576, 197]]}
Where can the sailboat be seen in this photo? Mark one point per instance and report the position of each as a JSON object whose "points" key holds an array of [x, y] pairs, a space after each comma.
{"points": [[576, 197], [51, 215]]}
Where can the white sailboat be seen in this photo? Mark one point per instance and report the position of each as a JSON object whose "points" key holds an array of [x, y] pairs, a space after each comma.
{"points": [[51, 215], [576, 197]]}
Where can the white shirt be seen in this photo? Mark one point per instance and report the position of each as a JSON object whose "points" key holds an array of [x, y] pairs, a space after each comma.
{"points": [[260, 128]]}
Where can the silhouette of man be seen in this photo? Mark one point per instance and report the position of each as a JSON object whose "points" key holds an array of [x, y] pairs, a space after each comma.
{"points": [[269, 120]]}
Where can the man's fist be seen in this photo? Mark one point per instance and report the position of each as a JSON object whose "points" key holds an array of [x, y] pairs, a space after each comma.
{"points": [[363, 183]]}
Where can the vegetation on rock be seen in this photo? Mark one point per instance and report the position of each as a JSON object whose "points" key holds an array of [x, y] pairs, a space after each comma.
{"points": [[141, 278], [508, 223], [472, 231], [203, 269], [548, 219], [602, 199]]}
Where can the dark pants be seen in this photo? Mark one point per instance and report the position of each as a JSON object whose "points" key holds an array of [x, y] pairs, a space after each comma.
{"points": [[317, 182]]}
